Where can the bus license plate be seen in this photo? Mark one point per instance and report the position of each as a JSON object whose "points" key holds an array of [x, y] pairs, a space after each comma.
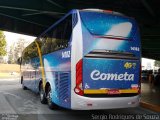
{"points": [[112, 92]]}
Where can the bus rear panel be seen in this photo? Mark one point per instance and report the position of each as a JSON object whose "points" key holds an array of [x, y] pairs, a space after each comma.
{"points": [[108, 71]]}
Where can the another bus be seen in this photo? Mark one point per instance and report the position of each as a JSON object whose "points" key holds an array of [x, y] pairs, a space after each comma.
{"points": [[89, 59]]}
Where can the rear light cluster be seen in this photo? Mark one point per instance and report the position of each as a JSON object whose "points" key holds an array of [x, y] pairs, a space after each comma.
{"points": [[78, 89], [139, 90], [108, 11]]}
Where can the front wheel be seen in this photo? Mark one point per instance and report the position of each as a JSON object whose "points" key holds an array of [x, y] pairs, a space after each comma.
{"points": [[23, 87], [43, 98]]}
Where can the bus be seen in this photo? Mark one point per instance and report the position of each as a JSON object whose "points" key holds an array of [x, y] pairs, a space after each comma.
{"points": [[89, 59]]}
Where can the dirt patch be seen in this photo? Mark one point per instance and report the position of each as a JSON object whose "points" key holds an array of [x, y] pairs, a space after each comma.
{"points": [[5, 68], [9, 71]]}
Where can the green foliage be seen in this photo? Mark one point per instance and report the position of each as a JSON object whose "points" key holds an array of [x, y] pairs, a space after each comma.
{"points": [[2, 44], [157, 63]]}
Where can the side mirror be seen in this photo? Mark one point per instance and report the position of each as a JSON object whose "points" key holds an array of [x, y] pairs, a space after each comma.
{"points": [[19, 61]]}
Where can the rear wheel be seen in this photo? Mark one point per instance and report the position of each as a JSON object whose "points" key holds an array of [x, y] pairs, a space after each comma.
{"points": [[43, 98], [51, 105]]}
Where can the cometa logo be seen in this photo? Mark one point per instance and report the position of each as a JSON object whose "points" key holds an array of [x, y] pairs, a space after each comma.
{"points": [[97, 75]]}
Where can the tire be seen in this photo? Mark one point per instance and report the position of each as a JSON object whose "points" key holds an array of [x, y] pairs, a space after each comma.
{"points": [[51, 105], [23, 87], [42, 94]]}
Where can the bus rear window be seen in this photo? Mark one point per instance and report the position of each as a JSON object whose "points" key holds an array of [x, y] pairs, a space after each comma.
{"points": [[103, 24]]}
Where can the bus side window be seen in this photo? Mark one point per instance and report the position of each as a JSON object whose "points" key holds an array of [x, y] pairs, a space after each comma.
{"points": [[42, 44], [25, 57], [32, 50], [64, 32], [58, 37]]}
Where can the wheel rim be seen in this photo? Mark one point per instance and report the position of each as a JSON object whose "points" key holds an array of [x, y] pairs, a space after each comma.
{"points": [[49, 97], [41, 94]]}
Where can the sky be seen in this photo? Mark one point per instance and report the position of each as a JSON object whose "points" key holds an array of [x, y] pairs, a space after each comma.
{"points": [[12, 38]]}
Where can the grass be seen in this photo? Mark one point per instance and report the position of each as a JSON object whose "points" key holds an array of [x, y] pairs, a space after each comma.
{"points": [[9, 70]]}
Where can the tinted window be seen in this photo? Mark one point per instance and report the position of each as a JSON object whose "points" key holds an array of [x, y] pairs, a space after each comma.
{"points": [[58, 37], [30, 52]]}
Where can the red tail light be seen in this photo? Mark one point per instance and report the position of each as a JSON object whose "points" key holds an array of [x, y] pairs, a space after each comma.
{"points": [[108, 11], [78, 89]]}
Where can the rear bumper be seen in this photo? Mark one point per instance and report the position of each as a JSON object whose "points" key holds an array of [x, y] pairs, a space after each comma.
{"points": [[87, 103]]}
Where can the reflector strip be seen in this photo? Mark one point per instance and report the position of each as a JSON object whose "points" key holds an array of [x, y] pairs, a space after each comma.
{"points": [[92, 91], [129, 91], [105, 91]]}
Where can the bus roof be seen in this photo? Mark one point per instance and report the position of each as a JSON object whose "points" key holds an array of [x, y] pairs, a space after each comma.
{"points": [[104, 11], [74, 10]]}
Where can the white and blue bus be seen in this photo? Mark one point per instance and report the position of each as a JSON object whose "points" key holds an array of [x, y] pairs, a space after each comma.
{"points": [[89, 59]]}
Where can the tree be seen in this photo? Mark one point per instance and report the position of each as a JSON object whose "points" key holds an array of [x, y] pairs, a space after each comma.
{"points": [[157, 63], [16, 50], [11, 55], [2, 44], [21, 44]]}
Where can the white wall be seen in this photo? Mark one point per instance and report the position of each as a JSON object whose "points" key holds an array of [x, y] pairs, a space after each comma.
{"points": [[147, 64]]}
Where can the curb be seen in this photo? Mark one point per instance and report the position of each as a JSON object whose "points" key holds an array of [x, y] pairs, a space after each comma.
{"points": [[155, 108]]}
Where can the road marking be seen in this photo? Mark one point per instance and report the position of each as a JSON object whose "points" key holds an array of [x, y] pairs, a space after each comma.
{"points": [[7, 93], [5, 106]]}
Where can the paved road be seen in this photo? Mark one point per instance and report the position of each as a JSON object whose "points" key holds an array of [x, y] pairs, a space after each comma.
{"points": [[18, 104]]}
